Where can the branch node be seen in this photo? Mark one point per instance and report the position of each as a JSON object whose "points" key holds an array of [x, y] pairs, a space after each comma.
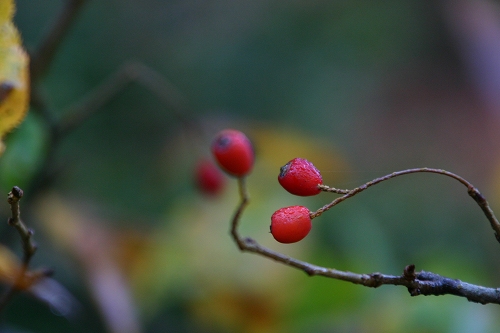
{"points": [[17, 192], [249, 241], [309, 271], [409, 272], [414, 291], [373, 280]]}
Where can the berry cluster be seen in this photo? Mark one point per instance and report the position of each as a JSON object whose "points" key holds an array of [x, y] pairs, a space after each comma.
{"points": [[234, 153]]}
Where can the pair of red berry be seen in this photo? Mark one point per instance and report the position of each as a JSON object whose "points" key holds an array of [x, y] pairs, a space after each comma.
{"points": [[299, 177], [234, 153]]}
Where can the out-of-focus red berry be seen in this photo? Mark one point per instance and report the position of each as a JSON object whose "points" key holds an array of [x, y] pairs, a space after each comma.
{"points": [[290, 224], [209, 178], [233, 152], [300, 177]]}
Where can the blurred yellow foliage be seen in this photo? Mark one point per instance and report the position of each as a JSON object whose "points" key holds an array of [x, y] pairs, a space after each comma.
{"points": [[14, 73], [9, 265]]}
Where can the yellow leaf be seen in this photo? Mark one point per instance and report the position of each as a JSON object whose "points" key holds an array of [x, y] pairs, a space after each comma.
{"points": [[14, 73]]}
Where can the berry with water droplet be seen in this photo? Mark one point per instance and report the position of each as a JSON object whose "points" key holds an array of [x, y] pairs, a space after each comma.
{"points": [[300, 177], [291, 224]]}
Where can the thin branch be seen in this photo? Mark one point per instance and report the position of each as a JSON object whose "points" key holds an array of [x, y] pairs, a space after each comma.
{"points": [[131, 72], [417, 283], [237, 215], [43, 56], [40, 61], [94, 101], [78, 113], [22, 279], [326, 188], [29, 246], [471, 190]]}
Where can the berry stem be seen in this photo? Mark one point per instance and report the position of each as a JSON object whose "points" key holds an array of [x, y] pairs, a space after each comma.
{"points": [[326, 188], [417, 283], [471, 190], [244, 199]]}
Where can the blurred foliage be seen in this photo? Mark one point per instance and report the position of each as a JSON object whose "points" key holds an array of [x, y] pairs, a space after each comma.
{"points": [[25, 155], [14, 76], [360, 88]]}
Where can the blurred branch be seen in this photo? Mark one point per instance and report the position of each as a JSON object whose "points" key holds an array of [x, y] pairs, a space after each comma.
{"points": [[43, 56], [81, 111], [96, 99], [417, 283], [131, 72], [40, 61]]}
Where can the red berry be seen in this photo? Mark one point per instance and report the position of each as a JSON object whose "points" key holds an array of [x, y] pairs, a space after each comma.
{"points": [[300, 177], [234, 152], [290, 224], [209, 179]]}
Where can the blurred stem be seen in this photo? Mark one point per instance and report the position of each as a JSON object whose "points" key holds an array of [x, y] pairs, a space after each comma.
{"points": [[42, 58], [417, 283], [81, 111], [40, 61], [131, 72]]}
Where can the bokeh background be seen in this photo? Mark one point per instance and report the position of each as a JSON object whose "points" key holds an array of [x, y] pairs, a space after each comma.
{"points": [[360, 88]]}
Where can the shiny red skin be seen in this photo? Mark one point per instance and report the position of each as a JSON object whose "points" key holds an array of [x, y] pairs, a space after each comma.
{"points": [[233, 152], [300, 177], [209, 178], [290, 224]]}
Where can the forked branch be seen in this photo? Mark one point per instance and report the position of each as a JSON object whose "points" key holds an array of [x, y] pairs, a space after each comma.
{"points": [[417, 283]]}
